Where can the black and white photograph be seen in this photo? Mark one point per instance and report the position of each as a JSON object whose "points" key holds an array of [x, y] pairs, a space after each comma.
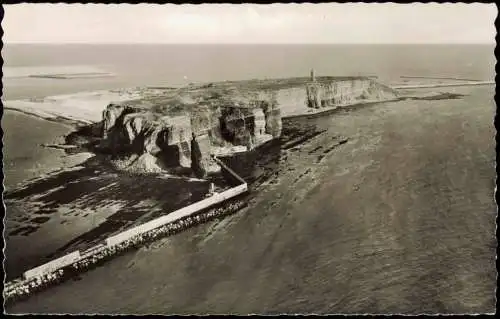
{"points": [[249, 159]]}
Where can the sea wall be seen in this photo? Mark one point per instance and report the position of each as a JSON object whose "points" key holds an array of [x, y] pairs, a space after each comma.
{"points": [[52, 265], [178, 214]]}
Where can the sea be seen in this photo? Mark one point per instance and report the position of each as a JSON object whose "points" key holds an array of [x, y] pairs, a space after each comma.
{"points": [[400, 219], [166, 65]]}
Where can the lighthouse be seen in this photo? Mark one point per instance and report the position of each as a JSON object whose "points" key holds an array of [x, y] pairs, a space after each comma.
{"points": [[312, 75]]}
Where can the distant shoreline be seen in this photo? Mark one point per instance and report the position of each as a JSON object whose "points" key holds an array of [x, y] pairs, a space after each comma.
{"points": [[438, 78], [438, 85], [71, 76], [66, 76], [55, 72]]}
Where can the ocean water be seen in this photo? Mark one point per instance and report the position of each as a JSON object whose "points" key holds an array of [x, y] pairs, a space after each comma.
{"points": [[138, 65], [25, 158], [400, 219]]}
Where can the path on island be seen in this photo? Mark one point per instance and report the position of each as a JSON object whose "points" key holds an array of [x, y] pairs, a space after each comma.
{"points": [[400, 219]]}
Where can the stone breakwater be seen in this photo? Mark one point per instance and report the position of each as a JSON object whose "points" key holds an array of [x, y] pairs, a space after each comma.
{"points": [[22, 289], [181, 128]]}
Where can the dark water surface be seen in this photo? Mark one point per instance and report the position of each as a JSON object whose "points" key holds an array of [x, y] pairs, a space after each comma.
{"points": [[24, 157], [399, 219]]}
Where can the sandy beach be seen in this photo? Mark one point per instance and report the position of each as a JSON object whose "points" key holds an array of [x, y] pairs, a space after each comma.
{"points": [[79, 108]]}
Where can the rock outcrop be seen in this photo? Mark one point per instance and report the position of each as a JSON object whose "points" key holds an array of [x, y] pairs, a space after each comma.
{"points": [[272, 116], [183, 128], [113, 113], [137, 131], [201, 161], [313, 99]]}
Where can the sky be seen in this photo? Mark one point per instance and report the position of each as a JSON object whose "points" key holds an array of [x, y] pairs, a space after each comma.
{"points": [[250, 23]]}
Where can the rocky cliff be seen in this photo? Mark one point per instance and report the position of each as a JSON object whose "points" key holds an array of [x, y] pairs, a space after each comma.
{"points": [[182, 128], [321, 94]]}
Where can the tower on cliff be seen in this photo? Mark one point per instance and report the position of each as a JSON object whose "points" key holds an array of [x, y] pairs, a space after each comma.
{"points": [[313, 78]]}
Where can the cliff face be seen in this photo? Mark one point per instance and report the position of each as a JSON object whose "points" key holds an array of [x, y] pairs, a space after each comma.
{"points": [[346, 92], [184, 127], [135, 131], [201, 162], [187, 140]]}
